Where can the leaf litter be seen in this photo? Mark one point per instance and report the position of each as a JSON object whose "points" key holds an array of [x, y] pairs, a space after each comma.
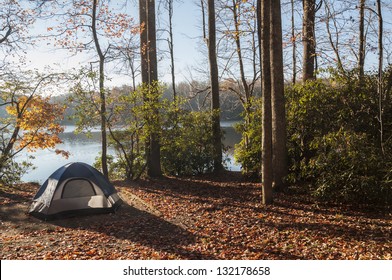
{"points": [[204, 217]]}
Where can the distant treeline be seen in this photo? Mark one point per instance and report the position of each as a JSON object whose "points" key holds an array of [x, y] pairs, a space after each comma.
{"points": [[195, 98]]}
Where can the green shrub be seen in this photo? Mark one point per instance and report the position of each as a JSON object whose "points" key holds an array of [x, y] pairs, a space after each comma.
{"points": [[186, 144], [248, 151], [319, 107], [185, 136], [333, 140], [12, 171], [348, 168]]}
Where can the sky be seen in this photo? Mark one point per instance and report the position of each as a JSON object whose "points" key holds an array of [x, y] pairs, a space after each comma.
{"points": [[186, 32], [187, 44]]}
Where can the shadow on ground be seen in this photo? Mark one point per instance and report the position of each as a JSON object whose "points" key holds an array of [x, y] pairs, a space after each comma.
{"points": [[137, 226]]}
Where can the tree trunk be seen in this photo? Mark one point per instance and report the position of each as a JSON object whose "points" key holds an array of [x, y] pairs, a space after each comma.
{"points": [[154, 156], [239, 52], [294, 41], [279, 136], [171, 49], [149, 67], [104, 159], [143, 40], [361, 51], [334, 43], [6, 153], [214, 80], [152, 42], [102, 94], [247, 104], [308, 38], [380, 74], [266, 168]]}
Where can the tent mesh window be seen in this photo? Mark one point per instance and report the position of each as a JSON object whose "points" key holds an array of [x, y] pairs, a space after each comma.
{"points": [[78, 188]]}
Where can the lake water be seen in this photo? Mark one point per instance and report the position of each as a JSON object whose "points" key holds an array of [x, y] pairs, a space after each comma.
{"points": [[86, 149]]}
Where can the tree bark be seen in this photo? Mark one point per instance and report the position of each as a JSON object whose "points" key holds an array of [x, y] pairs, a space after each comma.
{"points": [[308, 39], [279, 136], [149, 67], [361, 51], [152, 42], [214, 80], [266, 168], [154, 156], [380, 74], [7, 34], [293, 38], [102, 94], [247, 104], [334, 43], [171, 49], [143, 41]]}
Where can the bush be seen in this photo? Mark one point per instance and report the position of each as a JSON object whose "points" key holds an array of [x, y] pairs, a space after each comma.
{"points": [[12, 171], [128, 131], [248, 151], [334, 139], [185, 136], [347, 167], [187, 147], [319, 107]]}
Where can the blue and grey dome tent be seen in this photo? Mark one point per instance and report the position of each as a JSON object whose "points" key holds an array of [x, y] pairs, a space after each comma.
{"points": [[73, 189]]}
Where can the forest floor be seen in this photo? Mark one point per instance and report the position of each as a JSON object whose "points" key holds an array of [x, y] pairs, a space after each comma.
{"points": [[203, 217]]}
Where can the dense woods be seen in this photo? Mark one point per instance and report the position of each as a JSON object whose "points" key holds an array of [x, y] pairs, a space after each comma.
{"points": [[308, 82]]}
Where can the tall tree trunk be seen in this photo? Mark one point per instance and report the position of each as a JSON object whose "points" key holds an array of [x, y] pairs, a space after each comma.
{"points": [[143, 41], [247, 103], [214, 80], [104, 159], [308, 38], [154, 156], [171, 48], [294, 41], [334, 43], [361, 51], [380, 73], [239, 51], [102, 93], [152, 42], [280, 167], [266, 168], [149, 67]]}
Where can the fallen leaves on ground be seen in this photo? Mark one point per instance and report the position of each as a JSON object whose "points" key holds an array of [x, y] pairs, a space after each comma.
{"points": [[197, 218]]}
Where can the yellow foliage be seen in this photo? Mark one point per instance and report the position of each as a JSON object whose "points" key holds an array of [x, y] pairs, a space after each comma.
{"points": [[37, 118]]}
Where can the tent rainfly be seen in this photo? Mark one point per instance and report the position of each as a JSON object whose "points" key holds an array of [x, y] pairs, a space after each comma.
{"points": [[74, 189]]}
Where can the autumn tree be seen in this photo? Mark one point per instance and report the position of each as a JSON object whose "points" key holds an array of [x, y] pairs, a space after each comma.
{"points": [[168, 5], [362, 42], [280, 168], [149, 70], [16, 18], [240, 66], [214, 83], [97, 27], [294, 42], [380, 87], [309, 39], [31, 122], [334, 34], [266, 160]]}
